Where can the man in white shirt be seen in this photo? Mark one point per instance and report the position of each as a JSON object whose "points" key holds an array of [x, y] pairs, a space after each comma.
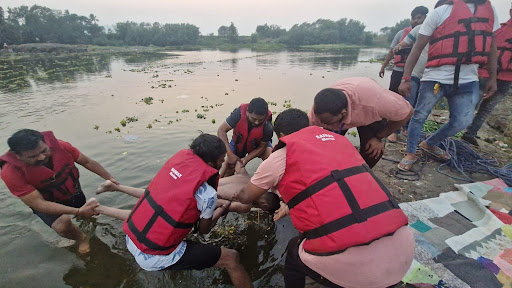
{"points": [[455, 75]]}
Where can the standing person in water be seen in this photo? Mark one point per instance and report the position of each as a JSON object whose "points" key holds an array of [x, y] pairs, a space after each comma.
{"points": [[252, 134], [181, 194], [40, 170], [361, 102], [347, 218]]}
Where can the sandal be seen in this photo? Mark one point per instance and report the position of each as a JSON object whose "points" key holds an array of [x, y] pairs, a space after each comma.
{"points": [[438, 153], [406, 164]]}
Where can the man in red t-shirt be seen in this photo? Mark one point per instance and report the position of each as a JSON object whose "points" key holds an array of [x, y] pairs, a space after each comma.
{"points": [[39, 169]]}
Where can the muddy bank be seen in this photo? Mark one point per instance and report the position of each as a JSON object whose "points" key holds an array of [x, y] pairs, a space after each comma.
{"points": [[431, 182]]}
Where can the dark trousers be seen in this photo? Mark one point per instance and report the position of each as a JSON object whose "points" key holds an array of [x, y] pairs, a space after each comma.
{"points": [[396, 79], [295, 271], [365, 134]]}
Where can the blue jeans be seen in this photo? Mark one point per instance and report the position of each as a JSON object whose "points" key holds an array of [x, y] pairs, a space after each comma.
{"points": [[413, 98], [461, 106], [487, 105]]}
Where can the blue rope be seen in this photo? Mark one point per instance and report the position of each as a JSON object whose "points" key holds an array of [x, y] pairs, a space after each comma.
{"points": [[465, 160]]}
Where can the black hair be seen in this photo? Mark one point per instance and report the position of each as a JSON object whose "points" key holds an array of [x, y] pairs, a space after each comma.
{"points": [[290, 121], [439, 3], [272, 200], [208, 147], [331, 101], [258, 106], [24, 140], [419, 10]]}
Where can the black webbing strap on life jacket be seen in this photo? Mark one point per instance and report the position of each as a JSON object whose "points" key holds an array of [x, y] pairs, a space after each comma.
{"points": [[358, 214], [57, 183], [501, 52], [158, 212], [471, 49]]}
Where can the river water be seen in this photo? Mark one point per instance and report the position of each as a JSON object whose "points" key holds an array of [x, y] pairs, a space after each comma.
{"points": [[83, 99]]}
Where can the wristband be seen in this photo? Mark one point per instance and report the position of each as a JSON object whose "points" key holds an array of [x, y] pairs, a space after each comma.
{"points": [[406, 79], [229, 152], [77, 211]]}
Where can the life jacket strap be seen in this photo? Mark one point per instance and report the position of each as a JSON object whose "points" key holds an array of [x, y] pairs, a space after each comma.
{"points": [[158, 211]]}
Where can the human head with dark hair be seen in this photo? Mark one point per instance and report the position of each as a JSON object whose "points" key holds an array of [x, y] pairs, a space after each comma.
{"points": [[330, 106], [257, 111], [268, 202], [29, 146], [209, 148], [418, 15], [290, 121]]}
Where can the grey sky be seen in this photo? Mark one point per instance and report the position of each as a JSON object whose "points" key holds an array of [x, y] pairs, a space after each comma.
{"points": [[209, 15]]}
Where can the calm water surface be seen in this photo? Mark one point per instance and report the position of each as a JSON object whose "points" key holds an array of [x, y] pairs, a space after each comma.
{"points": [[73, 95]]}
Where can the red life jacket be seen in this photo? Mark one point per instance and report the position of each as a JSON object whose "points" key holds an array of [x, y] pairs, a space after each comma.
{"points": [[57, 185], [241, 135], [503, 37], [167, 211], [334, 198], [399, 60], [464, 37]]}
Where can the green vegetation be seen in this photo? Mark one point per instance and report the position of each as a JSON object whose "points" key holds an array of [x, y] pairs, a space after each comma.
{"points": [[39, 24], [96, 127]]}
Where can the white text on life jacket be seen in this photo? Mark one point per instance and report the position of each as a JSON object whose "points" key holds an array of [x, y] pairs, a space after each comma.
{"points": [[175, 174]]}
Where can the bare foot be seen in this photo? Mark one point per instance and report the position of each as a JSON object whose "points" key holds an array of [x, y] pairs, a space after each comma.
{"points": [[106, 187], [392, 138], [83, 245]]}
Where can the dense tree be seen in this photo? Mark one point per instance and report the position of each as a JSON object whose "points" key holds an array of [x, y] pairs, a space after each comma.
{"points": [[222, 31], [391, 31], [40, 24], [325, 31], [232, 33], [270, 31]]}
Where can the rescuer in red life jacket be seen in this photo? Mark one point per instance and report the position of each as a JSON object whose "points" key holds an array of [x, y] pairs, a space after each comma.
{"points": [[503, 83], [346, 216], [460, 34], [252, 134], [228, 186], [40, 170], [182, 194]]}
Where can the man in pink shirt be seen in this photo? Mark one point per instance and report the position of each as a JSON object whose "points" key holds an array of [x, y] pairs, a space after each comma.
{"points": [[362, 103], [346, 217]]}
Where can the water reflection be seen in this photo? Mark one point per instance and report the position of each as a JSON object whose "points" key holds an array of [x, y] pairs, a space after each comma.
{"points": [[101, 268], [25, 72], [327, 60], [199, 80]]}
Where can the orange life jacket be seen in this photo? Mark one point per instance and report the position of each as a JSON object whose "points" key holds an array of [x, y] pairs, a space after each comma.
{"points": [[334, 198], [503, 37], [58, 184], [167, 211], [464, 37]]}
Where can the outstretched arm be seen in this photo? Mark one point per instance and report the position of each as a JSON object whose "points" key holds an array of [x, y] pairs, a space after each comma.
{"points": [[95, 167], [36, 201], [110, 186], [120, 214]]}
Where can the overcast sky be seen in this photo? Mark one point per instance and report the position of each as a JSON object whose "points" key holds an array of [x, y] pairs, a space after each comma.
{"points": [[209, 15]]}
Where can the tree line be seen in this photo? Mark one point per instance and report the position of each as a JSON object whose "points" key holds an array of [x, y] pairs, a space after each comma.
{"points": [[39, 24]]}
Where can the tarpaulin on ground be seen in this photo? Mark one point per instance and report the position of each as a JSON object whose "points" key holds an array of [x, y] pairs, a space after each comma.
{"points": [[463, 238]]}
